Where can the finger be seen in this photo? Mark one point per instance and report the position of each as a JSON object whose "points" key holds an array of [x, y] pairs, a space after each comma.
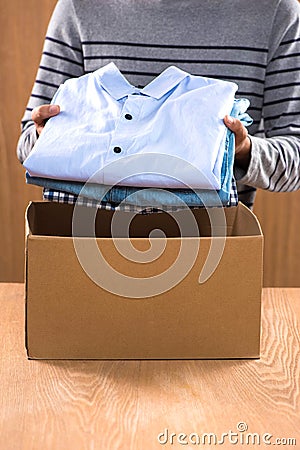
{"points": [[43, 112], [235, 125]]}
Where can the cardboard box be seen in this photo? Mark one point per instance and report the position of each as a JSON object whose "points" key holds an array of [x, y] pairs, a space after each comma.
{"points": [[69, 316]]}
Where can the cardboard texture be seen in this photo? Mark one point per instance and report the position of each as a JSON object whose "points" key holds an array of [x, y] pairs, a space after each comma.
{"points": [[68, 316]]}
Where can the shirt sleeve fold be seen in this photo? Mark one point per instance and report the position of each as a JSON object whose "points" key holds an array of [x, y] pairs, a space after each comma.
{"points": [[62, 58]]}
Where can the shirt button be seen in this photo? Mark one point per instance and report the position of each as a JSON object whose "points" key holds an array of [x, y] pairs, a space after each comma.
{"points": [[117, 149], [128, 116]]}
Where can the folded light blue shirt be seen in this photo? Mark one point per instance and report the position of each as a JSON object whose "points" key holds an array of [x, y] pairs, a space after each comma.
{"points": [[169, 134], [165, 198]]}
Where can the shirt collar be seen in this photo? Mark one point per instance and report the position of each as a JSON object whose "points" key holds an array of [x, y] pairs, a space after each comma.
{"points": [[118, 87], [114, 82], [164, 82]]}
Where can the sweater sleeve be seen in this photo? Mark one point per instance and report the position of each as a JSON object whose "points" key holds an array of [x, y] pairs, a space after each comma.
{"points": [[275, 158], [62, 58]]}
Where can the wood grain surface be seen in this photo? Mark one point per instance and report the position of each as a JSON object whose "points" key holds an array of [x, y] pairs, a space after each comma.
{"points": [[22, 31], [125, 404]]}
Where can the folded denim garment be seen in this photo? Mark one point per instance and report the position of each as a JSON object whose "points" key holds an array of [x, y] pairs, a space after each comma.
{"points": [[65, 197], [146, 197]]}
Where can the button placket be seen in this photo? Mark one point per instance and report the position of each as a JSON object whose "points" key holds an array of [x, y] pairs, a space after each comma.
{"points": [[123, 141], [122, 136]]}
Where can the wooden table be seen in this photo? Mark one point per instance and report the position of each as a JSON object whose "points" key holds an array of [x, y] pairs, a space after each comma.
{"points": [[126, 404]]}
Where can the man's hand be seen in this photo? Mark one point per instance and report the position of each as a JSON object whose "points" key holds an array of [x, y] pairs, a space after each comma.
{"points": [[242, 141], [41, 113]]}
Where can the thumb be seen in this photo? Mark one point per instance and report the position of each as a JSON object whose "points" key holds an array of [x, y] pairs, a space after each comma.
{"points": [[232, 123], [41, 113], [236, 126], [53, 110]]}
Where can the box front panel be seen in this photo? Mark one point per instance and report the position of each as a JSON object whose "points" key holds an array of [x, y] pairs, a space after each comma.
{"points": [[69, 316]]}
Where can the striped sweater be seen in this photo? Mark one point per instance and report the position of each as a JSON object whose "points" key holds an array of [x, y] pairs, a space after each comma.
{"points": [[255, 44]]}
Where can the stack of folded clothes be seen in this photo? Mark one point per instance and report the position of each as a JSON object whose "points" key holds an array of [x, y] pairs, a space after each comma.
{"points": [[161, 147]]}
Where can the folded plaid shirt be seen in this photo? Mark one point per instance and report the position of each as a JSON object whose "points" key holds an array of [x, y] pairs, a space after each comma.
{"points": [[65, 197]]}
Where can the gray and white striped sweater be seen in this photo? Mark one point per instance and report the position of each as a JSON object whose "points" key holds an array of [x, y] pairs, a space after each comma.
{"points": [[253, 43]]}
